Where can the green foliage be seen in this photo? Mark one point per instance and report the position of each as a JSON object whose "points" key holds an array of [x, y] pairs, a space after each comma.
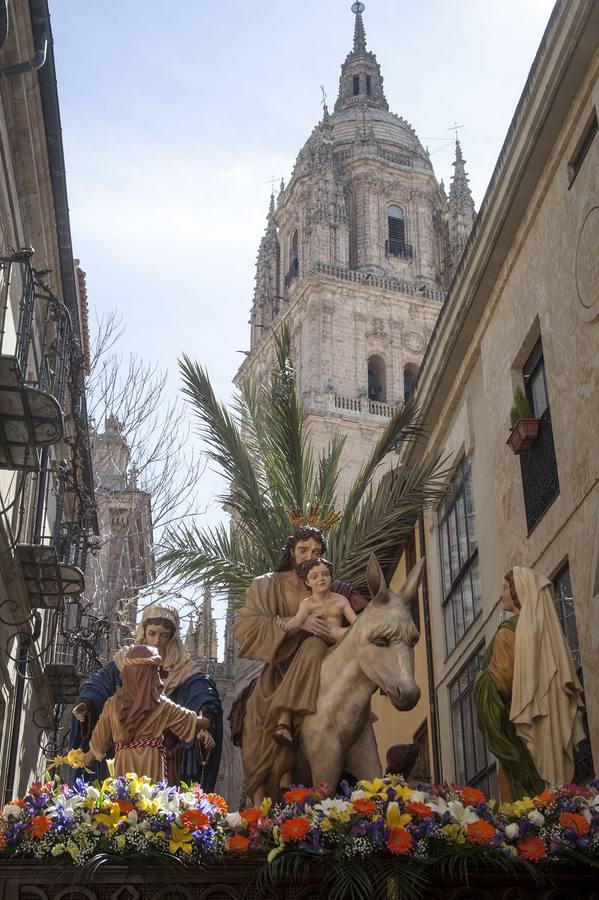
{"points": [[520, 407], [262, 448]]}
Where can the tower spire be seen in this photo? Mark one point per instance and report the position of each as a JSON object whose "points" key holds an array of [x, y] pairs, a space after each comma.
{"points": [[361, 80], [460, 207], [359, 33]]}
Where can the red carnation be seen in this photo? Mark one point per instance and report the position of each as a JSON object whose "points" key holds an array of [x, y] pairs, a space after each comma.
{"points": [[399, 841], [419, 809], [575, 821], [532, 848], [480, 832], [295, 829]]}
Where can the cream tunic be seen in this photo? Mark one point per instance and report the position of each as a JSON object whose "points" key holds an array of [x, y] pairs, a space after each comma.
{"points": [[142, 760]]}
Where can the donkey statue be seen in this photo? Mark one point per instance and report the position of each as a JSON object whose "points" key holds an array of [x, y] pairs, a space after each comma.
{"points": [[377, 652]]}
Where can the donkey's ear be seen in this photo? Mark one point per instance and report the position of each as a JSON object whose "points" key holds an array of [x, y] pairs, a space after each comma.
{"points": [[376, 581], [408, 591]]}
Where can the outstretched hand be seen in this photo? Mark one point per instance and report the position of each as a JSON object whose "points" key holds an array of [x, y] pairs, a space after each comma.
{"points": [[206, 740], [316, 626], [81, 711]]}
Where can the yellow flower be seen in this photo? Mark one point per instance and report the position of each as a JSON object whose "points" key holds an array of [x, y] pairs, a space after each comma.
{"points": [[395, 819], [181, 839], [403, 791], [325, 825], [373, 787], [523, 806], [455, 833], [111, 819], [265, 806]]}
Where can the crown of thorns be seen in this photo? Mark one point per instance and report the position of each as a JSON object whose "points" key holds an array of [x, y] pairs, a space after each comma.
{"points": [[316, 517]]}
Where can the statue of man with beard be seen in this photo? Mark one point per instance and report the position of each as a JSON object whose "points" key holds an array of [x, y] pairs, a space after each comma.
{"points": [[291, 675]]}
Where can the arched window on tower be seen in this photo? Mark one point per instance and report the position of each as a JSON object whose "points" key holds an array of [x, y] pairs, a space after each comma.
{"points": [[293, 259], [377, 379], [356, 85], [410, 377], [396, 245]]}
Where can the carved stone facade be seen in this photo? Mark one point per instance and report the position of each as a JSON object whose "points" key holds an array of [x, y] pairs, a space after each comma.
{"points": [[358, 252]]}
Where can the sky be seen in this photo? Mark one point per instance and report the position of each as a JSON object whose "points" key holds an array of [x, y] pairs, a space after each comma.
{"points": [[176, 117]]}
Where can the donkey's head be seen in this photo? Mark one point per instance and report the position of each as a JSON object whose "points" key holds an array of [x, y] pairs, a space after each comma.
{"points": [[386, 635]]}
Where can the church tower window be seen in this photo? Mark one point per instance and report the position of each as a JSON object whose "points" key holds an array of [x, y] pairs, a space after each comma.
{"points": [[410, 377], [396, 224], [377, 379], [293, 260], [368, 85], [356, 84]]}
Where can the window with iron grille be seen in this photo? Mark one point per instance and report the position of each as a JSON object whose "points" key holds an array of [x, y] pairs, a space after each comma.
{"points": [[538, 466], [474, 765], [459, 557], [397, 224], [565, 606]]}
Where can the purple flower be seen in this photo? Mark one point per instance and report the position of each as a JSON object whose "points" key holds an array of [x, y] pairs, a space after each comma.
{"points": [[345, 790], [359, 829], [312, 843]]}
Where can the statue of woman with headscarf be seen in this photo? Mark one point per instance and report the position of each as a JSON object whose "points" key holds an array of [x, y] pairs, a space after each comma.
{"points": [[184, 684], [528, 696]]}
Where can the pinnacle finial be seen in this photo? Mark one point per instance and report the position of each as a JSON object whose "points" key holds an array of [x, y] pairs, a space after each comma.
{"points": [[359, 33], [458, 151]]}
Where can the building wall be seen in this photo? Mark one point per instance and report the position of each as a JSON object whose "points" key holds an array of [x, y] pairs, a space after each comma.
{"points": [[545, 286]]}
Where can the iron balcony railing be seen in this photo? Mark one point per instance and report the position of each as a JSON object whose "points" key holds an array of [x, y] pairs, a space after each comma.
{"points": [[293, 272], [398, 248], [34, 326]]}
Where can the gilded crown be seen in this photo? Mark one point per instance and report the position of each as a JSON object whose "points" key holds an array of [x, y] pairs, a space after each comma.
{"points": [[315, 516]]}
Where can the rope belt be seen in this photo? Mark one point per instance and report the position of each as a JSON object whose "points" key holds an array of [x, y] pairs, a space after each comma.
{"points": [[144, 742]]}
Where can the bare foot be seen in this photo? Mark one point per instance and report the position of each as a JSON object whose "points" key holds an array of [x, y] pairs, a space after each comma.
{"points": [[282, 735]]}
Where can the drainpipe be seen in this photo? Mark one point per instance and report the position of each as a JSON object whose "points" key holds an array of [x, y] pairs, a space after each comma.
{"points": [[432, 696], [22, 653], [30, 65]]}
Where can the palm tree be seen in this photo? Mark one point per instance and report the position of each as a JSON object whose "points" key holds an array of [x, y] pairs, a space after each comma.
{"points": [[263, 449]]}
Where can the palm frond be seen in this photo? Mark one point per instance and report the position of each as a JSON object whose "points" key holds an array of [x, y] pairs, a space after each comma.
{"points": [[262, 448], [386, 518]]}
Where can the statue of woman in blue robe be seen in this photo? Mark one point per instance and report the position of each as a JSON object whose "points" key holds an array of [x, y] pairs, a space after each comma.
{"points": [[184, 683]]}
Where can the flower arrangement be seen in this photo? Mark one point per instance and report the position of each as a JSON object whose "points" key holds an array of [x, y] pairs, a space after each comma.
{"points": [[413, 829], [122, 816], [386, 816]]}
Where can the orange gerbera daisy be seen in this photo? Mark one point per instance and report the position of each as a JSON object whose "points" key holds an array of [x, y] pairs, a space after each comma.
{"points": [[39, 825], [471, 796], [532, 848], [238, 843], [251, 815], [297, 795], [480, 832], [575, 821], [364, 806], [125, 806], [194, 819], [295, 829], [419, 809], [219, 802], [399, 841], [545, 799]]}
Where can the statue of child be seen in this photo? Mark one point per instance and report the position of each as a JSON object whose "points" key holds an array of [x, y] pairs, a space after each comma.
{"points": [[136, 717], [334, 609]]}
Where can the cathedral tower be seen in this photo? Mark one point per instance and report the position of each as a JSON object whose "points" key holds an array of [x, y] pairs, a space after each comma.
{"points": [[356, 258]]}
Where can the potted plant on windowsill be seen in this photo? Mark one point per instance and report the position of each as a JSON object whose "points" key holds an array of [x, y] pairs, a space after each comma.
{"points": [[525, 427]]}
